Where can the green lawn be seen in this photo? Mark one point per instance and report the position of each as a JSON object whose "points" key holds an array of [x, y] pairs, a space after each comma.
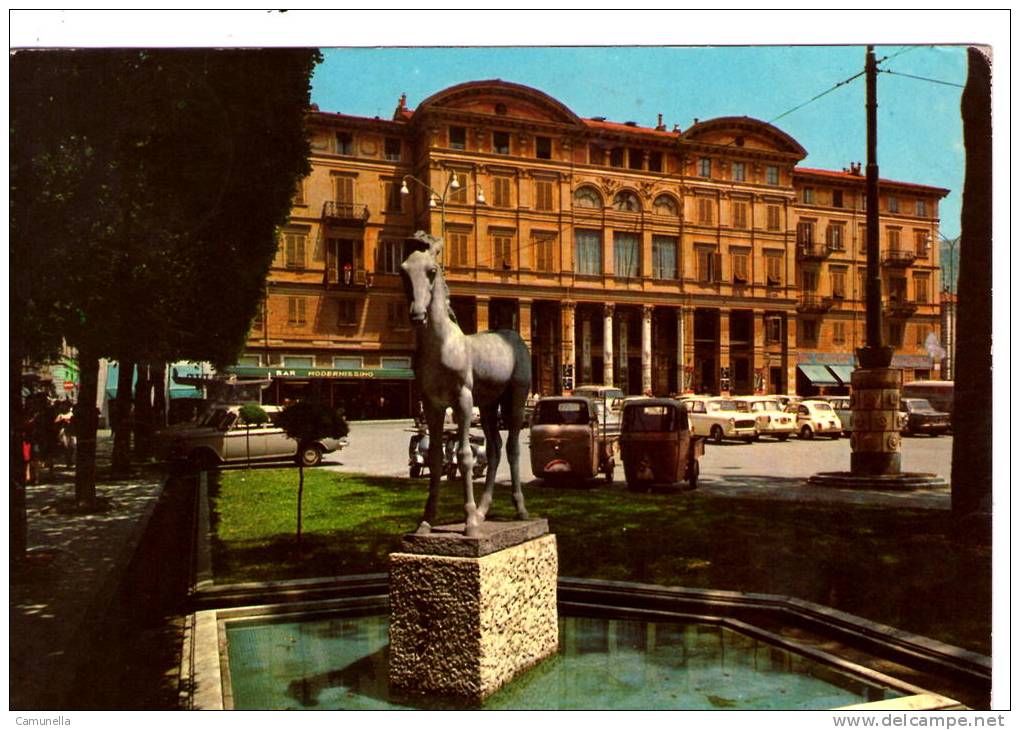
{"points": [[900, 567]]}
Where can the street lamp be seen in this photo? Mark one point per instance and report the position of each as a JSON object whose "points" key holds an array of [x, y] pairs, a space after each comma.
{"points": [[437, 199]]}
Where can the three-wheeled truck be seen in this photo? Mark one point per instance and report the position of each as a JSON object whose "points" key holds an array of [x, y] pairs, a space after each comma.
{"points": [[657, 445], [568, 443]]}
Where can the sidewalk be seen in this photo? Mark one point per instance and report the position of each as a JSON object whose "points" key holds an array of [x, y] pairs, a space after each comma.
{"points": [[75, 565]]}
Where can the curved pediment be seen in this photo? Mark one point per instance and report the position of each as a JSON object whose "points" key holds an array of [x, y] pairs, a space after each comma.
{"points": [[501, 99], [745, 132]]}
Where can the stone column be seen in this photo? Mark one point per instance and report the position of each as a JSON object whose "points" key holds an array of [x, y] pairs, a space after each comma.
{"points": [[681, 347], [874, 402], [481, 313], [622, 353], [646, 349], [791, 353], [567, 345], [524, 320], [725, 367], [607, 345], [758, 364]]}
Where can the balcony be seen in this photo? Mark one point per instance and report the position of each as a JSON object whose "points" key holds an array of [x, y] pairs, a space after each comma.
{"points": [[347, 277], [896, 307], [344, 214], [813, 251], [814, 304], [898, 258]]}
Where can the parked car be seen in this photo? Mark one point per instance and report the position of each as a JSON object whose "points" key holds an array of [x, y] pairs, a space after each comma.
{"points": [[816, 417], [220, 438], [922, 418], [841, 405], [938, 393], [770, 418], [718, 418], [612, 395]]}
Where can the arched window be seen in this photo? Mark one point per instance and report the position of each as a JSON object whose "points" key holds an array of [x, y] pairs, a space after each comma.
{"points": [[666, 205], [587, 197], [626, 201]]}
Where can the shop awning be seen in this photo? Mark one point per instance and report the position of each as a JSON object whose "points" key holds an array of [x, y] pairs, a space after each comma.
{"points": [[284, 373], [818, 375], [842, 373]]}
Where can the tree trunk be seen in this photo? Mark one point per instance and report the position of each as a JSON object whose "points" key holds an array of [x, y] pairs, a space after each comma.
{"points": [[159, 403], [121, 418], [86, 422], [143, 413], [300, 494], [972, 404], [18, 517]]}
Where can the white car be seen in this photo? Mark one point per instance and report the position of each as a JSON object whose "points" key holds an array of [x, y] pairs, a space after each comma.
{"points": [[817, 417], [612, 395], [719, 418], [770, 418], [219, 437]]}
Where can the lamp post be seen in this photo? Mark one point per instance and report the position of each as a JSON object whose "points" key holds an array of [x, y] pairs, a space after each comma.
{"points": [[437, 199]]}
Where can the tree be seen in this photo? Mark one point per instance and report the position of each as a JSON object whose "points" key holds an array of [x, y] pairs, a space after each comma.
{"points": [[251, 414], [307, 422], [138, 178]]}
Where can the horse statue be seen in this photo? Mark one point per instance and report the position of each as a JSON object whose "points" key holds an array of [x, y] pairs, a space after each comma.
{"points": [[491, 370]]}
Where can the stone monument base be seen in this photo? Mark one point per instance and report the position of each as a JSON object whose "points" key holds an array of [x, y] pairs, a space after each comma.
{"points": [[467, 615]]}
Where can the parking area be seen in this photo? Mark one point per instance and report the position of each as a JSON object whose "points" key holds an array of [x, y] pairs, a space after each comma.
{"points": [[763, 468]]}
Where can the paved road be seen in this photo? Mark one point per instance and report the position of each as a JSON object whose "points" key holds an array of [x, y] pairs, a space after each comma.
{"points": [[766, 468]]}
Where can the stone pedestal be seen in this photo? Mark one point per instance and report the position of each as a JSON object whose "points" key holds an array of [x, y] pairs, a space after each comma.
{"points": [[875, 405], [467, 615]]}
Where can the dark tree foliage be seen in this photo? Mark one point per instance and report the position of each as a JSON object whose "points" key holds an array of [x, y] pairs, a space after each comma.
{"points": [[146, 191]]}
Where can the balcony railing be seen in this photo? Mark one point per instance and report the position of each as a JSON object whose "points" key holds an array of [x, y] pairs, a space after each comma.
{"points": [[814, 303], [813, 251], [895, 307], [898, 257], [347, 278], [345, 213]]}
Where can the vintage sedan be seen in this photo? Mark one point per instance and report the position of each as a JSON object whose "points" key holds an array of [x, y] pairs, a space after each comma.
{"points": [[719, 418], [922, 418], [219, 437], [817, 417], [770, 418]]}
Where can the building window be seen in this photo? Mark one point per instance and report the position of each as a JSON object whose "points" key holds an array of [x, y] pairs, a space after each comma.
{"points": [[839, 333], [773, 329], [921, 288], [626, 255], [502, 247], [772, 217], [809, 331], [705, 206], [596, 155], [809, 279], [894, 204], [249, 361], [392, 149], [259, 320], [343, 192], [739, 215], [460, 194], [543, 195], [296, 311], [635, 159], [394, 200], [664, 257], [772, 175], [344, 262], [501, 143], [655, 162], [666, 205], [838, 281], [627, 202], [395, 363], [921, 208], [344, 143], [893, 238], [616, 157], [862, 283], [298, 361], [807, 196], [834, 237], [805, 233], [741, 267], [457, 247], [501, 192], [709, 265], [543, 148], [920, 335], [294, 247], [391, 255], [773, 269], [705, 167], [458, 138], [921, 243], [897, 288], [739, 172], [589, 251], [896, 334], [347, 312], [299, 192], [587, 198], [349, 363], [396, 315], [545, 252], [837, 198]]}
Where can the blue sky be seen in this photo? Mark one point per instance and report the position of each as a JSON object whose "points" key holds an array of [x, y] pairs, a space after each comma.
{"points": [[920, 135]]}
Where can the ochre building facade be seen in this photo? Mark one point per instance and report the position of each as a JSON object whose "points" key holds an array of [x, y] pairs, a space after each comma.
{"points": [[661, 260]]}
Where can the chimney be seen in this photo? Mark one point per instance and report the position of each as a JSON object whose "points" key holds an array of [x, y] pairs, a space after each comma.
{"points": [[676, 127], [660, 127]]}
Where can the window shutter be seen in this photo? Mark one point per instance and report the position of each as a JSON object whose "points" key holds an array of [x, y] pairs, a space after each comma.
{"points": [[332, 274], [716, 266]]}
